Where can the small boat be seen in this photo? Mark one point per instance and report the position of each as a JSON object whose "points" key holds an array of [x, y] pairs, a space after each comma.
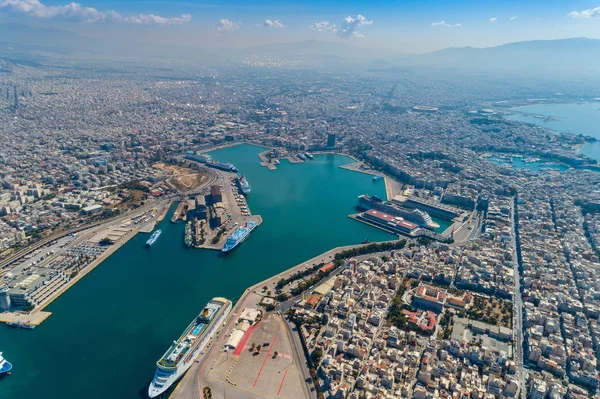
{"points": [[377, 177], [366, 241]]}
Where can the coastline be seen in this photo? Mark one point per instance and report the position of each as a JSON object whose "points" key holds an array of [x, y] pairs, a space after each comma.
{"points": [[38, 315], [194, 377]]}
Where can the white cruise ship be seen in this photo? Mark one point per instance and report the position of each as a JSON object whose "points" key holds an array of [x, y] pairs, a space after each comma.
{"points": [[181, 355]]}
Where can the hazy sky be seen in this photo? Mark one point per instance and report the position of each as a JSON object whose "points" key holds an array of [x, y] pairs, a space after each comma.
{"points": [[404, 25]]}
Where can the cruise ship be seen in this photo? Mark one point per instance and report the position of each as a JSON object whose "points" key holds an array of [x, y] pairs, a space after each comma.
{"points": [[238, 236], [5, 365], [182, 354], [417, 216], [244, 185], [153, 238]]}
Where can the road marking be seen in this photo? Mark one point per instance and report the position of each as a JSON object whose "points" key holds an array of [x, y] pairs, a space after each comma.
{"points": [[264, 361], [283, 379]]}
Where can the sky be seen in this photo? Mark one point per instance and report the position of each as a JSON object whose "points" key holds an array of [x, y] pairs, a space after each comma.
{"points": [[412, 26]]}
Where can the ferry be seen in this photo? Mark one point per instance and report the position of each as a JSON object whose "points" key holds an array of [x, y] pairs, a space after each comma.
{"points": [[153, 238], [5, 365], [227, 167], [243, 183], [308, 155], [182, 354], [238, 236], [301, 156]]}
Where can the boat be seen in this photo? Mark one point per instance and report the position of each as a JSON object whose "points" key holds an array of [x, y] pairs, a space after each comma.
{"points": [[366, 241], [188, 234], [153, 238], [243, 183], [301, 156], [5, 365], [227, 167], [185, 350], [238, 236], [417, 216], [308, 155], [276, 162], [377, 177], [20, 324]]}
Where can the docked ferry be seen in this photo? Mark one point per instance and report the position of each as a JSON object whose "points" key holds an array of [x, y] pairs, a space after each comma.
{"points": [[182, 354], [5, 365], [238, 236], [243, 183]]}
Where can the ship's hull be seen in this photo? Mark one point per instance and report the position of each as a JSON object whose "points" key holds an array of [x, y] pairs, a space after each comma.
{"points": [[153, 238], [245, 187], [5, 367], [227, 248], [164, 378]]}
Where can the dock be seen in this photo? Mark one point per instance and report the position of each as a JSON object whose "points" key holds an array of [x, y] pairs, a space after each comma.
{"points": [[264, 161], [119, 230]]}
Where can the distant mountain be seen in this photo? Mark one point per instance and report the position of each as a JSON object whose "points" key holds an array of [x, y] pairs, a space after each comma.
{"points": [[561, 54]]}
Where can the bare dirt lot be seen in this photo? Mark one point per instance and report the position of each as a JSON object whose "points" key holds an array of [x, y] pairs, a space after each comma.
{"points": [[184, 179]]}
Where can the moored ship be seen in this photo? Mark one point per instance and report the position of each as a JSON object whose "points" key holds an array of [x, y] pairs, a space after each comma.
{"points": [[238, 236], [243, 183], [188, 234], [417, 216], [308, 155], [226, 166], [301, 156], [182, 354], [153, 238], [5, 365]]}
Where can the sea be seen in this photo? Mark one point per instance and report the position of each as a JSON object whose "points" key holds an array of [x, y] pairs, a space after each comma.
{"points": [[106, 333], [577, 118]]}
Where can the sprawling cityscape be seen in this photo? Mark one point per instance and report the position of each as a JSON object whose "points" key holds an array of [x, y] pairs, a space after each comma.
{"points": [[456, 258]]}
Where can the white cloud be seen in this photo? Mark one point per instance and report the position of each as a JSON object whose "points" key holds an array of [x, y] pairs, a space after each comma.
{"points": [[446, 25], [493, 19], [513, 18], [350, 26], [149, 19], [79, 13], [323, 26], [273, 24], [591, 13], [226, 25]]}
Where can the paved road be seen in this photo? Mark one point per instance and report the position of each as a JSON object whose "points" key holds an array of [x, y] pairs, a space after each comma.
{"points": [[294, 337], [517, 307]]}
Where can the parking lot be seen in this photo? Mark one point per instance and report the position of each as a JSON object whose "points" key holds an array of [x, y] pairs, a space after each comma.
{"points": [[271, 372]]}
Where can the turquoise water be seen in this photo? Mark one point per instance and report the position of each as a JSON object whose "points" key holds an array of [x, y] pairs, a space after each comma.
{"points": [[580, 118], [535, 166], [444, 224], [107, 331]]}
